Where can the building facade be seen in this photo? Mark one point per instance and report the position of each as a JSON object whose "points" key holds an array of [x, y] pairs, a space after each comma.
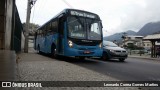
{"points": [[10, 26], [133, 40]]}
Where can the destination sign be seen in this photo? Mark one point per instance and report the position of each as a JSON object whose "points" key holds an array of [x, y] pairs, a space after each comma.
{"points": [[82, 14]]}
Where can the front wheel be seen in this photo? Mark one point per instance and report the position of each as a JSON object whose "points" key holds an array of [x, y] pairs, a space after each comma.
{"points": [[121, 59], [105, 57], [80, 58], [53, 53]]}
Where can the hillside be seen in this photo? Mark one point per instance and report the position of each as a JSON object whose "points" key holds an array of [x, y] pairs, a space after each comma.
{"points": [[118, 36], [149, 28]]}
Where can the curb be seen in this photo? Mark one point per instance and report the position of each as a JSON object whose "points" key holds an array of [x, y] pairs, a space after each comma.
{"points": [[157, 59]]}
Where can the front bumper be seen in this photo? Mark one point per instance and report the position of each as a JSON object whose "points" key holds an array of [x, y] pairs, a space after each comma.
{"points": [[85, 53], [117, 55]]}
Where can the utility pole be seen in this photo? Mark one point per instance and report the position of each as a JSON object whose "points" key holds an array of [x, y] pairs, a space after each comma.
{"points": [[124, 37], [29, 7]]}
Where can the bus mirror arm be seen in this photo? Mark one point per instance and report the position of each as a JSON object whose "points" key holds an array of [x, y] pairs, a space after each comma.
{"points": [[101, 24]]}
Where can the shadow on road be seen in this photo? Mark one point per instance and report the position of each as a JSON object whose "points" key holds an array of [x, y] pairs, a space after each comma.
{"points": [[86, 60], [114, 60], [69, 59], [76, 60]]}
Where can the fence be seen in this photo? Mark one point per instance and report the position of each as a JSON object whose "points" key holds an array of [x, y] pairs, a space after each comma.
{"points": [[18, 29], [139, 52]]}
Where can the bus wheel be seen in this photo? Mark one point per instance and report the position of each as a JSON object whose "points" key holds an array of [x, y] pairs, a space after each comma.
{"points": [[53, 53], [121, 59], [38, 49], [105, 56], [82, 58]]}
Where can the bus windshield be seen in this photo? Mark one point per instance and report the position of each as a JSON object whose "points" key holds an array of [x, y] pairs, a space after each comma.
{"points": [[84, 28]]}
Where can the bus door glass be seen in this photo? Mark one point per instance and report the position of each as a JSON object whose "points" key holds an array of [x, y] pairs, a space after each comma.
{"points": [[35, 40], [61, 34], [42, 47], [48, 38]]}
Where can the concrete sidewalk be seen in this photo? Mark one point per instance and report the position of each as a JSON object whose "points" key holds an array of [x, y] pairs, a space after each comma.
{"points": [[8, 66]]}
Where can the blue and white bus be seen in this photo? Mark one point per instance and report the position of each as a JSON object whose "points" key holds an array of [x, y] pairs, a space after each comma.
{"points": [[72, 32]]}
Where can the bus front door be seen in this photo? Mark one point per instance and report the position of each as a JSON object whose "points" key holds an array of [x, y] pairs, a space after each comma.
{"points": [[61, 35]]}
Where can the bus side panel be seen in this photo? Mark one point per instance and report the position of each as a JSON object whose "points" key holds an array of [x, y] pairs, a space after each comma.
{"points": [[37, 40], [64, 40], [41, 43], [47, 43], [49, 40]]}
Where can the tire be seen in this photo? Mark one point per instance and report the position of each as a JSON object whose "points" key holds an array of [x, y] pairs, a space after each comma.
{"points": [[53, 52], [121, 59], [38, 50], [81, 58], [105, 57]]}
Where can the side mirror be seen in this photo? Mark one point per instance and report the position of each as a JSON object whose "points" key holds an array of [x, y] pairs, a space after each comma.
{"points": [[101, 23]]}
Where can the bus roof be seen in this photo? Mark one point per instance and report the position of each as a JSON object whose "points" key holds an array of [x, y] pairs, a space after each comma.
{"points": [[65, 11]]}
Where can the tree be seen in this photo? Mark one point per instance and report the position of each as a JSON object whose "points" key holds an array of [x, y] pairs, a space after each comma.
{"points": [[32, 27]]}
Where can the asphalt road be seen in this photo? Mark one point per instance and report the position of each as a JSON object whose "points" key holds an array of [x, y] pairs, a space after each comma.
{"points": [[132, 69]]}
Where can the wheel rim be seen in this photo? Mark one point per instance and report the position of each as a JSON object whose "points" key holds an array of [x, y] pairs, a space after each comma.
{"points": [[54, 53], [104, 57]]}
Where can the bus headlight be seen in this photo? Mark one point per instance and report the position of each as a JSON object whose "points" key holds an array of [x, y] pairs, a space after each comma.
{"points": [[70, 43], [100, 45]]}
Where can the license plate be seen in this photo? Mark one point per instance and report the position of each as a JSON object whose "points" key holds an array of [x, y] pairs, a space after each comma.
{"points": [[87, 52], [122, 54]]}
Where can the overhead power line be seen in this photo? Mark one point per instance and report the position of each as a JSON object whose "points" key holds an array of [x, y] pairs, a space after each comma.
{"points": [[68, 4]]}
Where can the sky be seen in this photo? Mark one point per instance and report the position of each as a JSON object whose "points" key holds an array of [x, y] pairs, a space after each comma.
{"points": [[116, 15]]}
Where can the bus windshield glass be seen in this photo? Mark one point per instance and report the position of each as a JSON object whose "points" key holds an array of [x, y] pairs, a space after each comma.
{"points": [[84, 28]]}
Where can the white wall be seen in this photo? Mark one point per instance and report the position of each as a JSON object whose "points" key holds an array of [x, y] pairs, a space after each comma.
{"points": [[22, 41], [8, 26]]}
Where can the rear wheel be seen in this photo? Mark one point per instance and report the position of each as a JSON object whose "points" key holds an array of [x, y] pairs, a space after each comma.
{"points": [[121, 59], [38, 50]]}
